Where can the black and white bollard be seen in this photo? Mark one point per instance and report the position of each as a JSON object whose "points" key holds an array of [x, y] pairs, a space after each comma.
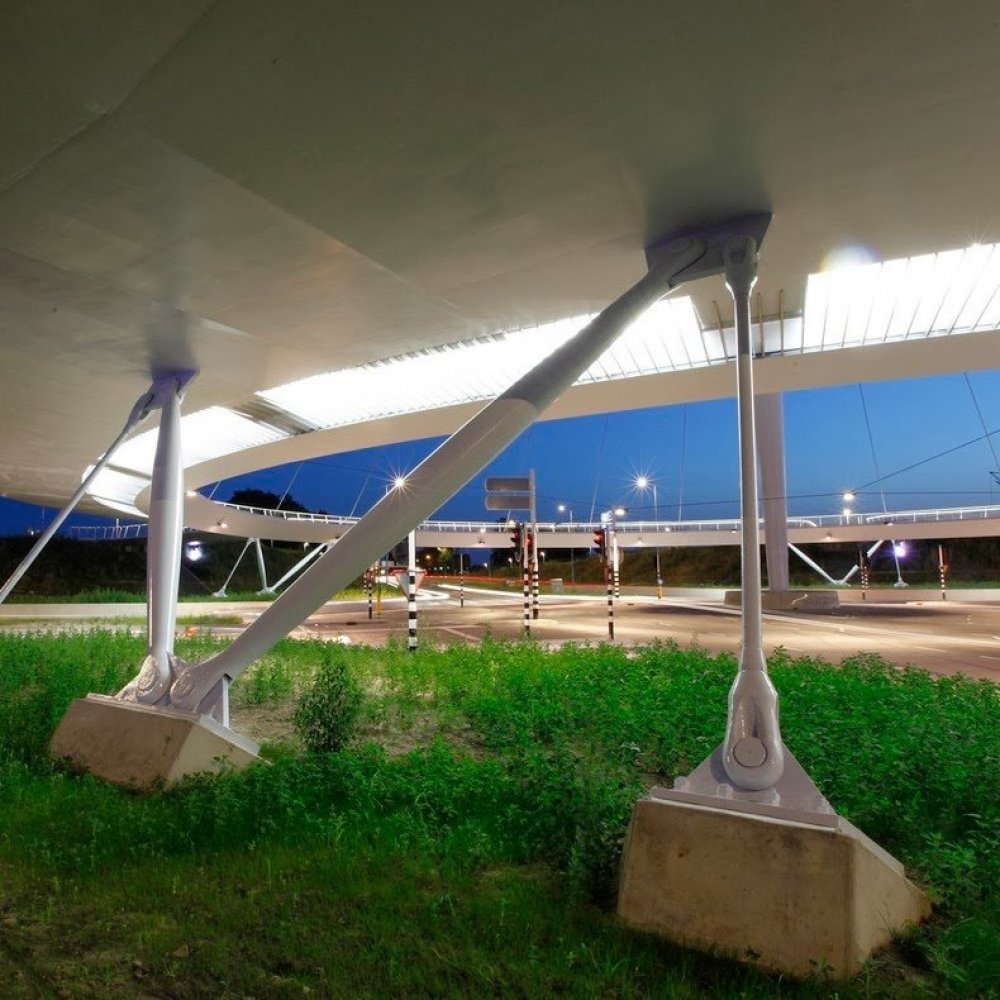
{"points": [[411, 592], [609, 586]]}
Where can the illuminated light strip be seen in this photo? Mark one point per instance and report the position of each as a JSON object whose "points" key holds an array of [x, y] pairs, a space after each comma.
{"points": [[114, 487], [666, 338], [205, 435], [931, 295]]}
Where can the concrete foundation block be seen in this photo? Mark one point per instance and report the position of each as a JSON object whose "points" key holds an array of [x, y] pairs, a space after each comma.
{"points": [[138, 746], [789, 600], [789, 896]]}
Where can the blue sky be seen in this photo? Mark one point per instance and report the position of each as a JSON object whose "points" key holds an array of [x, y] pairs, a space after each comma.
{"points": [[590, 463]]}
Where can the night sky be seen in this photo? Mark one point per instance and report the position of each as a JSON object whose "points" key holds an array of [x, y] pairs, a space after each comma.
{"points": [[590, 463]]}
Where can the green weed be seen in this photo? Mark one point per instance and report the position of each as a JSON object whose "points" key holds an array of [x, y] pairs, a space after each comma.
{"points": [[470, 863]]}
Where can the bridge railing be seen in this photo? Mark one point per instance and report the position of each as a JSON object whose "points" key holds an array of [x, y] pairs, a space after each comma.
{"points": [[555, 528], [108, 532]]}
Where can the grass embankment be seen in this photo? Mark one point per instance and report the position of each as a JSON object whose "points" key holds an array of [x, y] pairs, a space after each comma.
{"points": [[115, 596], [479, 857]]}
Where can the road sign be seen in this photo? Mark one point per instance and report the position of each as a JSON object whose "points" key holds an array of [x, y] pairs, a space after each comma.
{"points": [[402, 577], [508, 501], [508, 484]]}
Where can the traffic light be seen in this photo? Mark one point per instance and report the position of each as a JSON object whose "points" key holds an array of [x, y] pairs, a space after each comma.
{"points": [[600, 540], [515, 537], [530, 541]]}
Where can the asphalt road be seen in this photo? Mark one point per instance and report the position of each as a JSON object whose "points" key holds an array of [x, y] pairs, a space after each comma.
{"points": [[943, 637]]}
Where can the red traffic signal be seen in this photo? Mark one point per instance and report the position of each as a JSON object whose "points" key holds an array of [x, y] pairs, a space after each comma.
{"points": [[515, 537], [530, 541], [600, 540]]}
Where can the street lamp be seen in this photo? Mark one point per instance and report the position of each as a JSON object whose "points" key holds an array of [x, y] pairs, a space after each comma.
{"points": [[562, 508], [642, 483]]}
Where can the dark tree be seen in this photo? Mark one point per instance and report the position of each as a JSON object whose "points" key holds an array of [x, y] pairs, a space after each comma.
{"points": [[267, 500]]}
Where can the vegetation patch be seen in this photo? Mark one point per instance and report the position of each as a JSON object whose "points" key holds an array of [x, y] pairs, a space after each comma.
{"points": [[466, 840]]}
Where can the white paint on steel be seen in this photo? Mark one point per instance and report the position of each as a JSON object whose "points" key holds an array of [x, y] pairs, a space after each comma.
{"points": [[752, 751]]}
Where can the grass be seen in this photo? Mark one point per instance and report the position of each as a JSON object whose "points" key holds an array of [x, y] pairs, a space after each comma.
{"points": [[480, 857]]}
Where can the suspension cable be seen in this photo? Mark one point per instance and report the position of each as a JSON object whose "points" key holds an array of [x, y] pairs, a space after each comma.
{"points": [[291, 483], [871, 445], [680, 479], [994, 472], [600, 459]]}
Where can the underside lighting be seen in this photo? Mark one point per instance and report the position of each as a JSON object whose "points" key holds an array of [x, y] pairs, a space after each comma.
{"points": [[930, 295], [665, 338], [205, 435]]}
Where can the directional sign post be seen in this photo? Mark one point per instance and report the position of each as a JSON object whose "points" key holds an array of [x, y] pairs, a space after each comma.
{"points": [[518, 493]]}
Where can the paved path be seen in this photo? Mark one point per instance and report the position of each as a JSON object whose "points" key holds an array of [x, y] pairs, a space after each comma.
{"points": [[943, 637]]}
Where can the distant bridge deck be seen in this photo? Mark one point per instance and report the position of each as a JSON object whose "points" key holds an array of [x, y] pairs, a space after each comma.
{"points": [[280, 525]]}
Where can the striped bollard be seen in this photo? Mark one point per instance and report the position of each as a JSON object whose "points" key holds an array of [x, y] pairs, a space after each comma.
{"points": [[411, 640], [534, 591], [611, 603], [526, 621], [411, 590], [943, 569], [370, 589]]}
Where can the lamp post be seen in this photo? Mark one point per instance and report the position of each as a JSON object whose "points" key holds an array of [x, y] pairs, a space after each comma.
{"points": [[562, 508], [643, 483]]}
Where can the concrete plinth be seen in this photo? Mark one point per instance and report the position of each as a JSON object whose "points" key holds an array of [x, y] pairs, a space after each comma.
{"points": [[789, 896], [789, 600], [139, 746]]}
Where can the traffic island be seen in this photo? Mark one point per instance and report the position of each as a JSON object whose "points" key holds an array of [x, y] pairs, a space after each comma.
{"points": [[138, 746], [789, 600]]}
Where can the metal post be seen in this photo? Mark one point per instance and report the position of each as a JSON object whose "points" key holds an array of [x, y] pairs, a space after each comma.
{"points": [[900, 582], [297, 568], [656, 518], [611, 600], [943, 570], [461, 582], [572, 554], [863, 563], [221, 592], [533, 548], [139, 413], [525, 583], [260, 567], [770, 437], [614, 561], [163, 549], [753, 754], [370, 591], [411, 590]]}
